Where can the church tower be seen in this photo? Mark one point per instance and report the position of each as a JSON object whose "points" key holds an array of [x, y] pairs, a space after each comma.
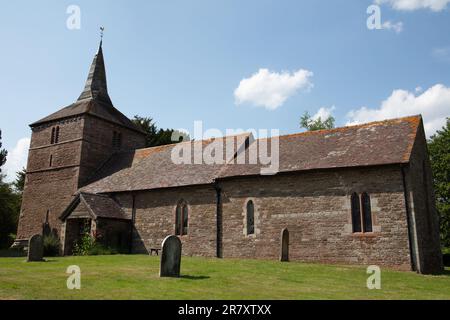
{"points": [[67, 147]]}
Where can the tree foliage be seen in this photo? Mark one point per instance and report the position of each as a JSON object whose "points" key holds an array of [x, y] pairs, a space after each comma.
{"points": [[19, 183], [310, 124], [10, 202], [3, 153], [158, 137], [439, 149]]}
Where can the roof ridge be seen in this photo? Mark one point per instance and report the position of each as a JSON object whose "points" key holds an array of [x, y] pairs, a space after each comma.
{"points": [[361, 125], [190, 141]]}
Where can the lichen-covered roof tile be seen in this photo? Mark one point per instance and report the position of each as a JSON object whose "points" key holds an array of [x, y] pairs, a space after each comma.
{"points": [[376, 143]]}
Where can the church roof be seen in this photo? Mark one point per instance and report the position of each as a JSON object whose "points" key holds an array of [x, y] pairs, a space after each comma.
{"points": [[94, 100], [153, 168], [98, 206], [371, 144]]}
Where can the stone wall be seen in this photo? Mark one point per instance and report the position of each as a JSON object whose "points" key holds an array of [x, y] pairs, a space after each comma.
{"points": [[423, 215], [114, 233], [315, 208], [154, 218], [85, 142], [49, 187], [97, 144]]}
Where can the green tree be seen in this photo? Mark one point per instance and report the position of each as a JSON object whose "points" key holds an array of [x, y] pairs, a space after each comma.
{"points": [[9, 214], [19, 183], [3, 154], [439, 149], [158, 137], [307, 122], [9, 206]]}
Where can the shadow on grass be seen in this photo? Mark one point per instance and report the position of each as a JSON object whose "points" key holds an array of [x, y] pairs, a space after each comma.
{"points": [[188, 277]]}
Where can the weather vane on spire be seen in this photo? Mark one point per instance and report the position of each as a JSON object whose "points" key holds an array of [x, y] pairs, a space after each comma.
{"points": [[102, 29]]}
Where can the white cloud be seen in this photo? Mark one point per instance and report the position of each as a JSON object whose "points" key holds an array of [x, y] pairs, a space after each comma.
{"points": [[410, 5], [271, 89], [397, 27], [323, 113], [433, 104], [16, 159]]}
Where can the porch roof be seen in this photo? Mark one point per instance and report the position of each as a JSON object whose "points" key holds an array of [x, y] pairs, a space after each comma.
{"points": [[97, 205]]}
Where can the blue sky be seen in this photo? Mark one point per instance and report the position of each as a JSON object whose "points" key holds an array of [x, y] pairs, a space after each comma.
{"points": [[181, 61]]}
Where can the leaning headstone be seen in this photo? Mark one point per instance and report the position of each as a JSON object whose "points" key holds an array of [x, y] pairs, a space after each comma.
{"points": [[35, 248], [284, 256], [170, 257]]}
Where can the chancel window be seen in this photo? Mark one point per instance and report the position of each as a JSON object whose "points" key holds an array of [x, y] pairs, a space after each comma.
{"points": [[250, 218], [181, 219], [361, 213], [356, 213], [366, 212]]}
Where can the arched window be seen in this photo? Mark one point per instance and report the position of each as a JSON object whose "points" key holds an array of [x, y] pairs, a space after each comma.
{"points": [[356, 213], [361, 213], [250, 218], [185, 219], [52, 140], [366, 212], [57, 135], [181, 219]]}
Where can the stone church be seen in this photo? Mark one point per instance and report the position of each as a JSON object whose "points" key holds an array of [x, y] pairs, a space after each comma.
{"points": [[354, 195]]}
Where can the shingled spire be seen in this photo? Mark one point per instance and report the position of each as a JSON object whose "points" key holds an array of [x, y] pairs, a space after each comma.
{"points": [[94, 99], [96, 82]]}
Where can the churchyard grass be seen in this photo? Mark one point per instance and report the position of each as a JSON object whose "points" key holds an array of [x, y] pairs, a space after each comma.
{"points": [[136, 277]]}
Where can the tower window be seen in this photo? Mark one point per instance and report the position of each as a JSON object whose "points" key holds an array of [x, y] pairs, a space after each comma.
{"points": [[361, 213], [55, 135], [52, 140], [181, 219], [51, 161], [250, 218]]}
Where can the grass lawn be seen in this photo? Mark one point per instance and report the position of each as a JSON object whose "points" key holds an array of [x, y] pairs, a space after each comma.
{"points": [[136, 277]]}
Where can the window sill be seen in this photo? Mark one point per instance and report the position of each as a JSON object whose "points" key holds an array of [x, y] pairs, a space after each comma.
{"points": [[364, 235]]}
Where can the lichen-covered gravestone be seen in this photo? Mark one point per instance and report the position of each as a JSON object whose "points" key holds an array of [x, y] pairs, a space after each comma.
{"points": [[170, 257], [35, 248]]}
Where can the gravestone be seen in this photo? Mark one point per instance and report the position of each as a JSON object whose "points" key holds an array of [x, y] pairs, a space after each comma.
{"points": [[170, 257], [284, 255], [35, 248]]}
